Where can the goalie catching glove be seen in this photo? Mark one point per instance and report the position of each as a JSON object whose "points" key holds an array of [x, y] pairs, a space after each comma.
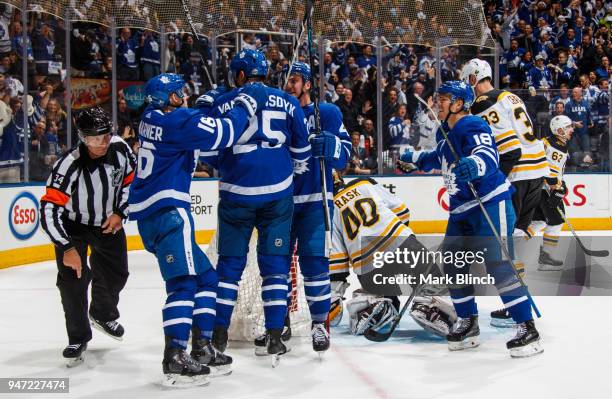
{"points": [[338, 288]]}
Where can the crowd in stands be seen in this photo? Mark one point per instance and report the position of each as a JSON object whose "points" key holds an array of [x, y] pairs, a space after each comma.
{"points": [[553, 54]]}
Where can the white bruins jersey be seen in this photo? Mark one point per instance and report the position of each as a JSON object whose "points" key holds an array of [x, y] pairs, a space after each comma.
{"points": [[556, 154], [506, 114], [367, 219]]}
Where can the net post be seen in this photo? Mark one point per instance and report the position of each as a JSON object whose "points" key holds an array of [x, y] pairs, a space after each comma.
{"points": [[609, 126], [163, 43], [24, 99], [321, 48], [496, 53], [379, 106], [114, 74], [68, 78]]}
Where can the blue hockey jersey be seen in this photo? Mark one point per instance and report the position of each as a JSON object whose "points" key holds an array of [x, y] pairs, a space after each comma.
{"points": [[169, 149], [256, 171], [398, 132], [307, 182], [471, 137]]}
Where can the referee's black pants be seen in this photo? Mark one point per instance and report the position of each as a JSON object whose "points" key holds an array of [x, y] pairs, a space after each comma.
{"points": [[107, 270]]}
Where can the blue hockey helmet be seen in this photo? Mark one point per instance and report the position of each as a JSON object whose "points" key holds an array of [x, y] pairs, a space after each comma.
{"points": [[302, 69], [253, 63], [458, 89], [159, 88]]}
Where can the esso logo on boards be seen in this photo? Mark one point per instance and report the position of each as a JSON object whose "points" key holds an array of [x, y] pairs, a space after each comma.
{"points": [[24, 215]]}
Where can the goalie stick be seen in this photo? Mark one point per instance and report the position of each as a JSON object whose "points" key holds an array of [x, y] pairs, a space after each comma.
{"points": [[314, 96], [481, 205], [196, 39], [602, 253]]}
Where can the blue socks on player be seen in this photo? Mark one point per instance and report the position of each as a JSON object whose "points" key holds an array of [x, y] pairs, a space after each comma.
{"points": [[315, 270], [229, 269], [274, 270], [205, 303], [178, 311]]}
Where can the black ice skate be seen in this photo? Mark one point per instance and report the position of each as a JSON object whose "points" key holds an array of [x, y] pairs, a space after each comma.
{"points": [[320, 337], [464, 334], [111, 328], [526, 342], [275, 345], [501, 318], [205, 353], [547, 263], [181, 370], [219, 339], [260, 342], [74, 353]]}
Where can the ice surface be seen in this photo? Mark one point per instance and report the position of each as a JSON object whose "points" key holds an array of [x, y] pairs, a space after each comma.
{"points": [[413, 364]]}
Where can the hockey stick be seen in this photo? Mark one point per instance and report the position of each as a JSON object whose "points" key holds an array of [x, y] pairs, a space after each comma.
{"points": [[196, 39], [314, 96], [482, 208], [296, 47], [596, 253]]}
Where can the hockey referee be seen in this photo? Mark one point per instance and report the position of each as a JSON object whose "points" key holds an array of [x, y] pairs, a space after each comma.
{"points": [[84, 206]]}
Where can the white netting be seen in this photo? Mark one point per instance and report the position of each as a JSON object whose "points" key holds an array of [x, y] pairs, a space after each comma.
{"points": [[248, 318]]}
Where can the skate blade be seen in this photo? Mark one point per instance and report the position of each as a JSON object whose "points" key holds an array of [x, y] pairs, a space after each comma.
{"points": [[532, 349], [275, 360], [99, 328], [220, 371], [549, 268], [503, 323], [184, 381], [74, 362], [467, 343], [321, 355]]}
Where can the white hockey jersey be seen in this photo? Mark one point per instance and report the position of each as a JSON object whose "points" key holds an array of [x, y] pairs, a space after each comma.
{"points": [[556, 154], [367, 219], [506, 114]]}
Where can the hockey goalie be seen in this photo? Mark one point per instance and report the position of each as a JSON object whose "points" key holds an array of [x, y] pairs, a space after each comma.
{"points": [[369, 221]]}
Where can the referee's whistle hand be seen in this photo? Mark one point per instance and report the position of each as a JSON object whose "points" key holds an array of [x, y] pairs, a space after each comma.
{"points": [[113, 224], [73, 261]]}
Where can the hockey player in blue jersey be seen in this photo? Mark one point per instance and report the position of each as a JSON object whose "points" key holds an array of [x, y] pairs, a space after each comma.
{"points": [[170, 139], [478, 163], [256, 191], [308, 225]]}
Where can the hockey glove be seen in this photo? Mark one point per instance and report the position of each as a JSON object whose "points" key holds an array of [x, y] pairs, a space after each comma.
{"points": [[338, 288], [556, 196], [325, 145], [208, 99], [252, 97], [468, 169], [411, 156]]}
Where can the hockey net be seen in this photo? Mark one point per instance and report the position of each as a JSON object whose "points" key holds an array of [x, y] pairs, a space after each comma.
{"points": [[248, 317]]}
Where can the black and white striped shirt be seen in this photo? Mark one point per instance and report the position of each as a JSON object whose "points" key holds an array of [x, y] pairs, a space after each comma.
{"points": [[86, 190]]}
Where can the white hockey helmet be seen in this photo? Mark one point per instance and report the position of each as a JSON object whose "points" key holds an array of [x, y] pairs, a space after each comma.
{"points": [[479, 68], [562, 127]]}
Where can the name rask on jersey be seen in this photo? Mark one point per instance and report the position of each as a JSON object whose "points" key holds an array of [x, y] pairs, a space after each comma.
{"points": [[367, 220]]}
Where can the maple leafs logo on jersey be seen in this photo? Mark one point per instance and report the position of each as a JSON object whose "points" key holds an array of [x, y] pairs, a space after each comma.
{"points": [[300, 167], [449, 178]]}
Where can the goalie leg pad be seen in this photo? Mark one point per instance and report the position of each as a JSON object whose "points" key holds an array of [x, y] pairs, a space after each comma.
{"points": [[434, 314], [338, 288], [370, 311]]}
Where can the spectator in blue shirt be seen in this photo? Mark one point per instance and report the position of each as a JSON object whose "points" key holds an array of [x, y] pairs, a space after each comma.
{"points": [[539, 76], [127, 65], [367, 59], [578, 110]]}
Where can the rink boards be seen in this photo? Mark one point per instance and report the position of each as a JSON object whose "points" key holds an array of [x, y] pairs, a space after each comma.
{"points": [[23, 241]]}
